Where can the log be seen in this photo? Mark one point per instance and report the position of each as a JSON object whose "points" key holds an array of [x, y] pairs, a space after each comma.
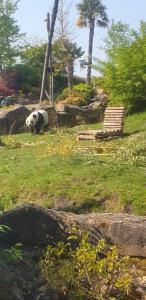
{"points": [[35, 226]]}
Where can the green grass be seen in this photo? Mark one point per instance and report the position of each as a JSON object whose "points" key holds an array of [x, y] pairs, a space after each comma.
{"points": [[54, 170]]}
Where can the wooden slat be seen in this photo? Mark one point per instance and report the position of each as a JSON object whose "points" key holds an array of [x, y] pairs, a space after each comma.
{"points": [[87, 132], [113, 117], [115, 109], [113, 123], [120, 114], [113, 120]]}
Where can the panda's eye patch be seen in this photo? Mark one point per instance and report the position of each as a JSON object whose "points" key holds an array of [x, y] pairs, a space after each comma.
{"points": [[34, 116]]}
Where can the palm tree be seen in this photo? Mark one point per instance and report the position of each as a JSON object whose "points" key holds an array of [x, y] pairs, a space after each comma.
{"points": [[91, 13], [66, 52]]}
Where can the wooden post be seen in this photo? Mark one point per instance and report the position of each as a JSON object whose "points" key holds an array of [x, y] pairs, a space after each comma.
{"points": [[49, 45]]}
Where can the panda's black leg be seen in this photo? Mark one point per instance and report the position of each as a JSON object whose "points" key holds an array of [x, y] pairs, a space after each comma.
{"points": [[39, 124], [38, 128]]}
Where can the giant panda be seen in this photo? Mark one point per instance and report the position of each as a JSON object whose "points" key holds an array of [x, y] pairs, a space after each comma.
{"points": [[37, 120]]}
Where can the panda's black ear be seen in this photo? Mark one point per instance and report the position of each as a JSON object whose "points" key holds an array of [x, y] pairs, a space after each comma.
{"points": [[34, 116]]}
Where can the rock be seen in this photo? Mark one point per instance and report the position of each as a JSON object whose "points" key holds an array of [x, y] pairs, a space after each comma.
{"points": [[64, 119], [12, 120], [36, 226], [68, 115], [51, 113], [93, 113], [73, 115], [50, 110], [141, 287]]}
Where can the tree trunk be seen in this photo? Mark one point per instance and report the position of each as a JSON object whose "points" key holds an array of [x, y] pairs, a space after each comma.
{"points": [[90, 49], [70, 71], [49, 47]]}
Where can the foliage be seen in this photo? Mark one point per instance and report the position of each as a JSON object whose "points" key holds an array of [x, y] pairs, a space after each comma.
{"points": [[32, 62], [80, 94], [83, 274], [31, 67], [9, 33], [92, 9], [5, 91], [133, 151], [124, 71], [65, 53], [34, 92]]}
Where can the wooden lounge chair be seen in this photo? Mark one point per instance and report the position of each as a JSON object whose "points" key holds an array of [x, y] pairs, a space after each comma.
{"points": [[113, 125]]}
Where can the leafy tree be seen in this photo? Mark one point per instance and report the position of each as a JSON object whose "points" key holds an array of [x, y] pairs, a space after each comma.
{"points": [[124, 71], [65, 53], [33, 55], [9, 33], [91, 13], [30, 70]]}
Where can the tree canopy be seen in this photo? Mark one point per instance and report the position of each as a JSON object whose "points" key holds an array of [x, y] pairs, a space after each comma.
{"points": [[124, 71], [9, 33]]}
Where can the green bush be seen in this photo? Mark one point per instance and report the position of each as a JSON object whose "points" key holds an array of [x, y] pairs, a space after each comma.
{"points": [[82, 274], [124, 71], [80, 94], [34, 92]]}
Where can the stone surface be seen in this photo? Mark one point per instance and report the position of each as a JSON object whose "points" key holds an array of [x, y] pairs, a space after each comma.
{"points": [[36, 226], [12, 120], [74, 115], [51, 114]]}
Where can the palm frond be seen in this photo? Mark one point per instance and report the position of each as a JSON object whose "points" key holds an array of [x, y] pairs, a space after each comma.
{"points": [[93, 9], [101, 23]]}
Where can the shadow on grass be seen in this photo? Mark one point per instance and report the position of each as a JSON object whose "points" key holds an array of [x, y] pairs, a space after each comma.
{"points": [[88, 206], [126, 134]]}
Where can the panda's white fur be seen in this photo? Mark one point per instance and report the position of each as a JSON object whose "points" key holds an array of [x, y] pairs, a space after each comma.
{"points": [[37, 120]]}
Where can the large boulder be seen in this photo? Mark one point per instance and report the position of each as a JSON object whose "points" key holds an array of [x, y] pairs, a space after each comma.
{"points": [[36, 226], [50, 109], [93, 113], [72, 115], [68, 115], [12, 120]]}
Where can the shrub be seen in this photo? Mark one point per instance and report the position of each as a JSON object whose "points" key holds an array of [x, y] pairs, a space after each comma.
{"points": [[5, 91], [124, 71], [34, 92], [80, 94], [83, 274]]}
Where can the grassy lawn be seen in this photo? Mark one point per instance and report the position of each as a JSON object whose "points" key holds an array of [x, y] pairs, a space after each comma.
{"points": [[54, 170]]}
